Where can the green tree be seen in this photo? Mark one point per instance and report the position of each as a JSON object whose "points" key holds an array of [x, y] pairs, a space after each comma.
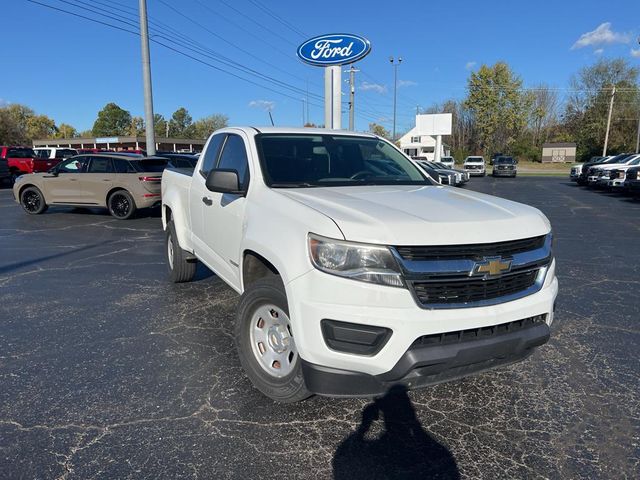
{"points": [[585, 116], [499, 106], [204, 127], [379, 130], [66, 131], [40, 126], [181, 123], [13, 124], [112, 120], [160, 125], [137, 127]]}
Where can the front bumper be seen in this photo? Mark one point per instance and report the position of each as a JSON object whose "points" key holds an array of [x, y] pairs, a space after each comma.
{"points": [[429, 365], [325, 297], [504, 173], [476, 172]]}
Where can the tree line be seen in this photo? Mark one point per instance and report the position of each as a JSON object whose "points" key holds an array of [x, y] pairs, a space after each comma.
{"points": [[499, 115], [20, 125]]}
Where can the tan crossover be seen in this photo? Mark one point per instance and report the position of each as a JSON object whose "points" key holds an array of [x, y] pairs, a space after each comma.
{"points": [[120, 183]]}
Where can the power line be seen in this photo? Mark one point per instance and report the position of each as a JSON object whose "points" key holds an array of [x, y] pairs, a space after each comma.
{"points": [[169, 47], [274, 15]]}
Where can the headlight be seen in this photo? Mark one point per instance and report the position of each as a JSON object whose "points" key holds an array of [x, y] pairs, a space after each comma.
{"points": [[357, 261]]}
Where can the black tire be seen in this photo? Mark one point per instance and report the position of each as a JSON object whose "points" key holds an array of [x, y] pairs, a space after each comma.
{"points": [[121, 205], [288, 389], [32, 201], [180, 268]]}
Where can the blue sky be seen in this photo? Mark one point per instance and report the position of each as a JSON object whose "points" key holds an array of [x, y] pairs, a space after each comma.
{"points": [[68, 68]]}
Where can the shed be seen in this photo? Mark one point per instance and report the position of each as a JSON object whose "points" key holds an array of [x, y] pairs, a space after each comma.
{"points": [[558, 152]]}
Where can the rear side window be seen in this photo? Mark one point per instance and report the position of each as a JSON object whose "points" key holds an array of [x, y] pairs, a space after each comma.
{"points": [[100, 165], [150, 165], [43, 153], [234, 157], [64, 153], [122, 166], [211, 154], [73, 165], [21, 153]]}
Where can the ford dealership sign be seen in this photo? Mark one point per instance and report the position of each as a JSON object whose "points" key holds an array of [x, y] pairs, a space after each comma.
{"points": [[334, 49]]}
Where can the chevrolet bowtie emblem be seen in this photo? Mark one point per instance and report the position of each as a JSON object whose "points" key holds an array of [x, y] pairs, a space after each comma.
{"points": [[491, 267]]}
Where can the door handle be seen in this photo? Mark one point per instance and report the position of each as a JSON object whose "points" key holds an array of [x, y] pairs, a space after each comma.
{"points": [[207, 201], [73, 179]]}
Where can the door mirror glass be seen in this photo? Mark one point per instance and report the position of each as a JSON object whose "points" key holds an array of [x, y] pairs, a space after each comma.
{"points": [[223, 180]]}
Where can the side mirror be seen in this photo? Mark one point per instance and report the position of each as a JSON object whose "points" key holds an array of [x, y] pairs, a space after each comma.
{"points": [[224, 181]]}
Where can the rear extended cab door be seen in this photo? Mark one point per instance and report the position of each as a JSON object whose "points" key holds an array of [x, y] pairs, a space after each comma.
{"points": [[217, 218]]}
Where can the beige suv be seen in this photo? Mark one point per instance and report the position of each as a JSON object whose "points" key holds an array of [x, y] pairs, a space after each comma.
{"points": [[120, 183]]}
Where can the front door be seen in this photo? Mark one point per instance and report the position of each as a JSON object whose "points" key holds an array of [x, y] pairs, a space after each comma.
{"points": [[64, 186], [223, 213]]}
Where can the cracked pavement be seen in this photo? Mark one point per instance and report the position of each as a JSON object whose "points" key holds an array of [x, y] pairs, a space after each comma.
{"points": [[107, 370]]}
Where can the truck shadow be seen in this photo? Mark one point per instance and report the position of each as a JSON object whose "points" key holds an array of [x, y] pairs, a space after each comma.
{"points": [[404, 450]]}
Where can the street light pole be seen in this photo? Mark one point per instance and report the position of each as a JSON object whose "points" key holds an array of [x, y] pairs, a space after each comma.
{"points": [[395, 91], [146, 79], [606, 136], [352, 96]]}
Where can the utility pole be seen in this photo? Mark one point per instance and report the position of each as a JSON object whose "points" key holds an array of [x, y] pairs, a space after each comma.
{"points": [[638, 137], [352, 96], [303, 112], [395, 91], [146, 79], [606, 137], [167, 128]]}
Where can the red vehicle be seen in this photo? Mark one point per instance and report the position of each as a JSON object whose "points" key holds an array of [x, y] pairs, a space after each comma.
{"points": [[21, 160]]}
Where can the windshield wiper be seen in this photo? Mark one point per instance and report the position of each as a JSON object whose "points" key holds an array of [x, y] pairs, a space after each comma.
{"points": [[292, 185]]}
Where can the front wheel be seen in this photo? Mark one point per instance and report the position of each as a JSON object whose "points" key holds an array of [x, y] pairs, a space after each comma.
{"points": [[265, 342], [181, 269], [121, 205], [32, 201]]}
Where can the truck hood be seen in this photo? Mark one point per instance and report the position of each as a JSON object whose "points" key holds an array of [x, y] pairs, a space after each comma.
{"points": [[429, 215]]}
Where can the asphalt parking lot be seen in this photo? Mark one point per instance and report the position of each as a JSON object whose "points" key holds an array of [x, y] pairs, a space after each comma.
{"points": [[107, 370]]}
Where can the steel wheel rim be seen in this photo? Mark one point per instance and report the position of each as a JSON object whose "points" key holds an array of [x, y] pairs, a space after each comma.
{"points": [[120, 205], [272, 342], [170, 251], [31, 201]]}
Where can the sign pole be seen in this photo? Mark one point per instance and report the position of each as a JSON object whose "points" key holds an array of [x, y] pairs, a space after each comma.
{"points": [[333, 97]]}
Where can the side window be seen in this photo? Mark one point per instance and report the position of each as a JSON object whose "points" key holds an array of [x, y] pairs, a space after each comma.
{"points": [[234, 157], [100, 165], [211, 154], [122, 166], [73, 165]]}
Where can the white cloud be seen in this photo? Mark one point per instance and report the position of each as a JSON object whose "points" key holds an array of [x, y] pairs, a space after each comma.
{"points": [[263, 104], [598, 51], [470, 65], [407, 83], [374, 87], [635, 52], [603, 35]]}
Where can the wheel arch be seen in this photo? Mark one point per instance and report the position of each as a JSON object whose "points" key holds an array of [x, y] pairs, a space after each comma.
{"points": [[113, 190], [255, 267]]}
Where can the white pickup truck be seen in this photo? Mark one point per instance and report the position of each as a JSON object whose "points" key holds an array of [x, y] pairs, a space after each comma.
{"points": [[357, 272]]}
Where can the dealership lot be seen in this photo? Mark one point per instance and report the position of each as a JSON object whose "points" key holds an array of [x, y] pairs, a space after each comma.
{"points": [[108, 370]]}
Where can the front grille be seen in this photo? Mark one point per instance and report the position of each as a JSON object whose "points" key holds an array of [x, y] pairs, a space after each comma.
{"points": [[469, 290], [442, 252], [472, 334]]}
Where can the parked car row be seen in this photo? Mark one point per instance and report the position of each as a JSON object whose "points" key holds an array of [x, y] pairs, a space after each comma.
{"points": [[118, 181], [444, 174], [615, 173]]}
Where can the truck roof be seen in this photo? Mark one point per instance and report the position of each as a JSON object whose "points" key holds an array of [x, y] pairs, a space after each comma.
{"points": [[299, 130]]}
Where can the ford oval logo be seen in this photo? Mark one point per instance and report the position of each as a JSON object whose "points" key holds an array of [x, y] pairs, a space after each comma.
{"points": [[334, 49]]}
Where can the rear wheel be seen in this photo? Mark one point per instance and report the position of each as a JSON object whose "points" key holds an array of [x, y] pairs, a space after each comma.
{"points": [[32, 201], [121, 205], [181, 269], [265, 342]]}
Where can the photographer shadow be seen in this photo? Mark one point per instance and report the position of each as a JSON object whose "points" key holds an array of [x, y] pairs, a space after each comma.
{"points": [[404, 450]]}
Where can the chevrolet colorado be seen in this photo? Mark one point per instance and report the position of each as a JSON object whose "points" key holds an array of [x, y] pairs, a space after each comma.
{"points": [[356, 271]]}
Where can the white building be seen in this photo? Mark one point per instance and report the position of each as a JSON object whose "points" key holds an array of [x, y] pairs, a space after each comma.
{"points": [[416, 145]]}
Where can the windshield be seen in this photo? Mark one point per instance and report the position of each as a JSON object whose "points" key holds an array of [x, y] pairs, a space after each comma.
{"points": [[446, 159], [308, 160], [474, 160], [618, 158], [504, 160]]}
